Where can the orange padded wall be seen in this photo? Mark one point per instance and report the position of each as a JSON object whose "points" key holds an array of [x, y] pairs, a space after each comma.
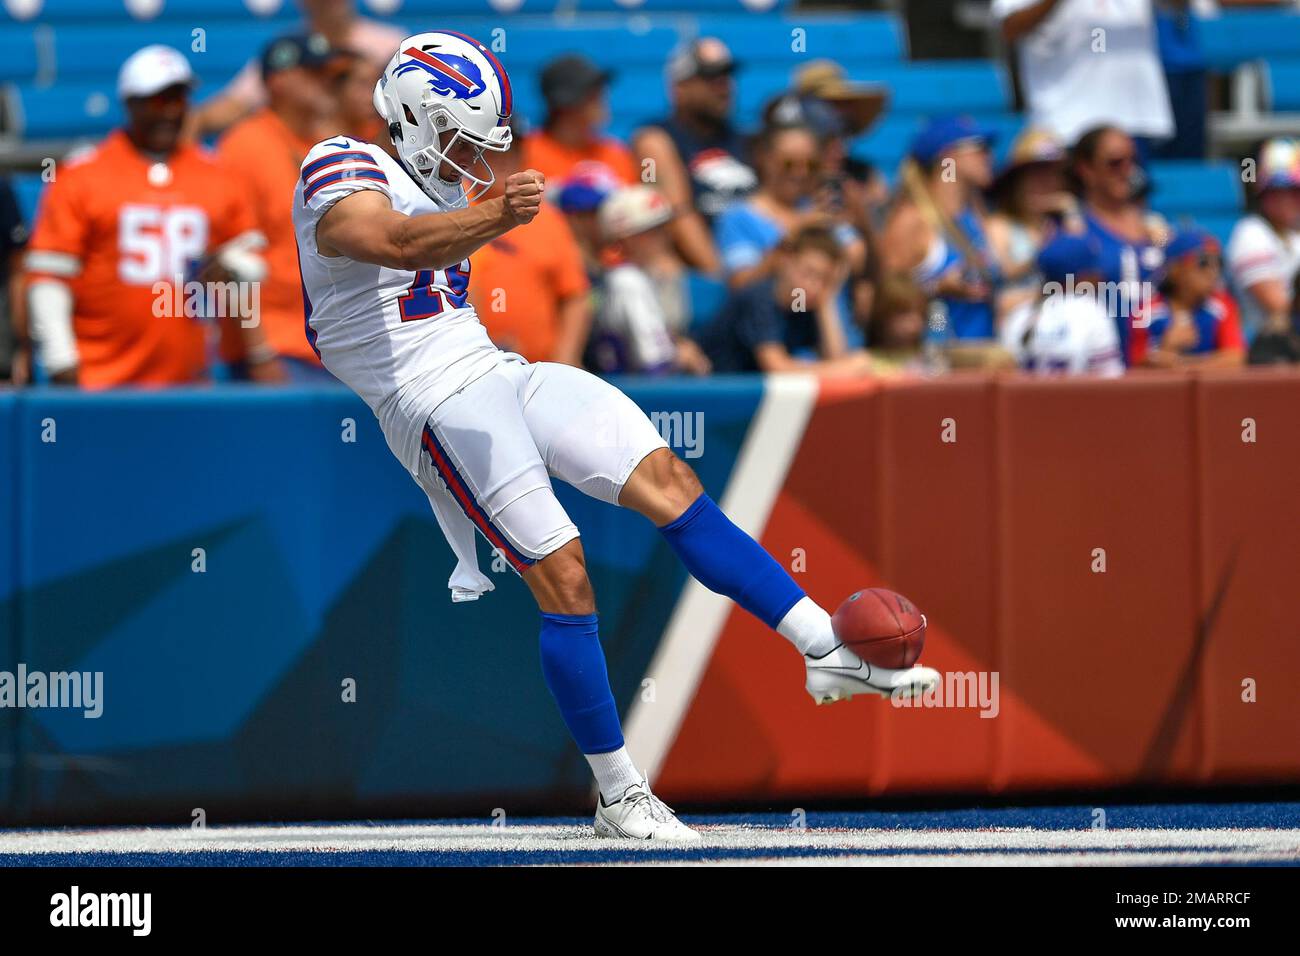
{"points": [[1128, 676]]}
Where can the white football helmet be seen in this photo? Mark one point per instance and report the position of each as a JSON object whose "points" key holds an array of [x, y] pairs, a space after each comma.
{"points": [[439, 83]]}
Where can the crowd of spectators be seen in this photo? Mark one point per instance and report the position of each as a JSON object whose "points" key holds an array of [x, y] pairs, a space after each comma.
{"points": [[1051, 260]]}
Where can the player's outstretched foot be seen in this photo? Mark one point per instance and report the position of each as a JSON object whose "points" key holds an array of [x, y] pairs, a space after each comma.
{"points": [[841, 674], [640, 815]]}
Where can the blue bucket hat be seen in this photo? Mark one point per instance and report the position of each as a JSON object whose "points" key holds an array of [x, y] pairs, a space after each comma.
{"points": [[1068, 255]]}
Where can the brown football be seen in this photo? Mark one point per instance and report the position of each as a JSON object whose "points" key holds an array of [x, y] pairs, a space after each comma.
{"points": [[883, 628]]}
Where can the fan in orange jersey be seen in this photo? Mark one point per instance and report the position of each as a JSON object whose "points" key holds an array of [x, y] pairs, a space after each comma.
{"points": [[265, 152], [137, 239]]}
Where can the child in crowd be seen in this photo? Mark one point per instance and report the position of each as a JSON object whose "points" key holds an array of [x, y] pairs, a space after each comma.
{"points": [[1193, 320], [635, 331], [896, 331], [1068, 330]]}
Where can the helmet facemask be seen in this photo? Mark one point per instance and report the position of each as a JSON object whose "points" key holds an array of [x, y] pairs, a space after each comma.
{"points": [[473, 177]]}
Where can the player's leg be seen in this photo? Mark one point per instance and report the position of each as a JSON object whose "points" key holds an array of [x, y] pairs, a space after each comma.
{"points": [[720, 555], [478, 443], [573, 664], [594, 437], [725, 559]]}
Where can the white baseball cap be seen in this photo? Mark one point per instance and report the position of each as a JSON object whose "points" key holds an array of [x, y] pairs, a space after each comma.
{"points": [[151, 70], [632, 210]]}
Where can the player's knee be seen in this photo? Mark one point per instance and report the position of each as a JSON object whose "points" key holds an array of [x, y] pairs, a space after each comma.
{"points": [[559, 582], [677, 483], [661, 487], [571, 589]]}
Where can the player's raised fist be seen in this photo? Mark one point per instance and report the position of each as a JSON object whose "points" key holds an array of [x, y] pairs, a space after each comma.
{"points": [[523, 195]]}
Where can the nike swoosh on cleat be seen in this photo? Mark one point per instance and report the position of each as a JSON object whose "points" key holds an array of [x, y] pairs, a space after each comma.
{"points": [[849, 671]]}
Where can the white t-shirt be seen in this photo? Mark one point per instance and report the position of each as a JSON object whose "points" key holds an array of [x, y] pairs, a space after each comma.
{"points": [[403, 341], [1093, 63], [632, 322], [1064, 335], [1256, 253]]}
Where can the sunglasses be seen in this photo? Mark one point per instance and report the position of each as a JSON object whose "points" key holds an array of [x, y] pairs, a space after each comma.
{"points": [[1120, 163], [167, 97], [804, 166]]}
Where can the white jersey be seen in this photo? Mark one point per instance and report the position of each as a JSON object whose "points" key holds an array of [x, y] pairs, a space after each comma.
{"points": [[631, 325], [1257, 253], [1064, 334], [403, 341]]}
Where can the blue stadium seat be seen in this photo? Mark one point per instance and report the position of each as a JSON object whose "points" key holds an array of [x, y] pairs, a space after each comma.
{"points": [[67, 110], [412, 9], [114, 11], [1194, 187], [1250, 35], [948, 86], [866, 38], [27, 187], [17, 53], [531, 46], [96, 52], [1284, 84], [639, 42], [64, 11], [1218, 225], [707, 296], [679, 6]]}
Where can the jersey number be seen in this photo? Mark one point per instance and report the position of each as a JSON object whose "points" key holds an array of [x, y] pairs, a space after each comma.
{"points": [[434, 291], [157, 243]]}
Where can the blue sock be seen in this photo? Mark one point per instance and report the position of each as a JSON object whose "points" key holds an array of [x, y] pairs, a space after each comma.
{"points": [[573, 665], [726, 560]]}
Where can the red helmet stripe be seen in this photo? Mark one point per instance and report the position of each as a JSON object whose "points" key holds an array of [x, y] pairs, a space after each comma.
{"points": [[441, 67]]}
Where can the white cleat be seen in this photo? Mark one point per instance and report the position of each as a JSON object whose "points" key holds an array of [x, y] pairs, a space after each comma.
{"points": [[841, 674], [640, 815]]}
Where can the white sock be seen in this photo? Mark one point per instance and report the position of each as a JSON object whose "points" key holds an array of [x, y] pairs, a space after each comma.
{"points": [[808, 627], [614, 773]]}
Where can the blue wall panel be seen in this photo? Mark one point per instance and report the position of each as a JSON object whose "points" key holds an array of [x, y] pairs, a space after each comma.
{"points": [[9, 607], [222, 690]]}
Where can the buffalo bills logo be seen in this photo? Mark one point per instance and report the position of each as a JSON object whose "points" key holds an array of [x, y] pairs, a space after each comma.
{"points": [[449, 75]]}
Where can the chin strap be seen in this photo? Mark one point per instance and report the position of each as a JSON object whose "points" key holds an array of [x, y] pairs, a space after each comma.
{"points": [[424, 185], [395, 134]]}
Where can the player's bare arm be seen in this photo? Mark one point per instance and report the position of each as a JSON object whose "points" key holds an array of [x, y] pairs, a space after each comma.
{"points": [[365, 227], [690, 233]]}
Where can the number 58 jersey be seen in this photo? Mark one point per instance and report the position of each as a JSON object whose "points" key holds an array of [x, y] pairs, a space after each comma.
{"points": [[403, 341]]}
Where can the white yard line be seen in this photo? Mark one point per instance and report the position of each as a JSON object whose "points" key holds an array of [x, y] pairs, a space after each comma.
{"points": [[922, 847]]}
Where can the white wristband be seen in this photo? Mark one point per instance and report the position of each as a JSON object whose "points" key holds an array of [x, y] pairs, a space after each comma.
{"points": [[55, 342]]}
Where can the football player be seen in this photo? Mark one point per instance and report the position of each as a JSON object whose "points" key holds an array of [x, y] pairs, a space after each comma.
{"points": [[384, 245]]}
